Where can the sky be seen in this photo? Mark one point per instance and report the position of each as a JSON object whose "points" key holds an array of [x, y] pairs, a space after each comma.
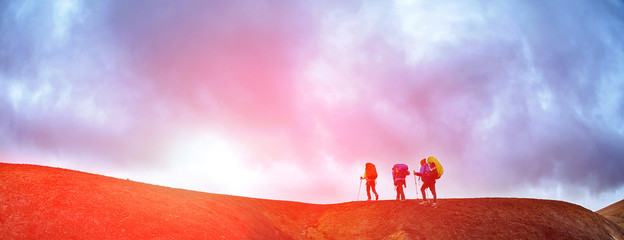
{"points": [[288, 100]]}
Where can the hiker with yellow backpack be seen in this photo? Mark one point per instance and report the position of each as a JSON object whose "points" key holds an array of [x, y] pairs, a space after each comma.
{"points": [[430, 170]]}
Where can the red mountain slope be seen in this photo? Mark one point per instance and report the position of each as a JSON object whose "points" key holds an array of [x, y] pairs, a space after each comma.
{"points": [[614, 212], [50, 203]]}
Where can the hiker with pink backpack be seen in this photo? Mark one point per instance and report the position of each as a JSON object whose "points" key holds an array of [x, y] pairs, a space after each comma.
{"points": [[399, 172]]}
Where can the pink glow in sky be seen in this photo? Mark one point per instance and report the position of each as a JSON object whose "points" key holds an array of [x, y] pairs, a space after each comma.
{"points": [[289, 99]]}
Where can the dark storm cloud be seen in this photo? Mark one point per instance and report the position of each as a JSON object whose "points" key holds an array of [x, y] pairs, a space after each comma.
{"points": [[563, 52], [575, 51]]}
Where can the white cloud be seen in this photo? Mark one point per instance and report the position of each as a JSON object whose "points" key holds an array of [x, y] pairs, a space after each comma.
{"points": [[386, 81], [65, 13]]}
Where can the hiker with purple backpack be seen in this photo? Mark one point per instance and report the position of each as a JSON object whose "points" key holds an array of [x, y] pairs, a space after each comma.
{"points": [[399, 172]]}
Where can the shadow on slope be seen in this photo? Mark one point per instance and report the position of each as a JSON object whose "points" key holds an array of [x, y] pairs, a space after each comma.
{"points": [[614, 212], [42, 202]]}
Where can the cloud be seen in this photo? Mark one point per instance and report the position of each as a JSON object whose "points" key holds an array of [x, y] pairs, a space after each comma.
{"points": [[507, 94], [519, 97], [156, 65]]}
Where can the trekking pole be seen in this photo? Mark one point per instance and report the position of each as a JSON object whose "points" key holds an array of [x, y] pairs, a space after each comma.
{"points": [[358, 197], [416, 182]]}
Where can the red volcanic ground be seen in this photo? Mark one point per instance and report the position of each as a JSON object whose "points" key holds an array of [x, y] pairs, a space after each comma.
{"points": [[50, 203]]}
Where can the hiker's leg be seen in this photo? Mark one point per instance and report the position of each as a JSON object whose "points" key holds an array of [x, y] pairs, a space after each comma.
{"points": [[422, 190], [401, 184], [372, 184], [396, 188], [433, 192], [402, 194], [368, 189]]}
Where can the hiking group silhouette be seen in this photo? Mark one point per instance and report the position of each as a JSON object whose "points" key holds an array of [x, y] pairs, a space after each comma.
{"points": [[430, 170]]}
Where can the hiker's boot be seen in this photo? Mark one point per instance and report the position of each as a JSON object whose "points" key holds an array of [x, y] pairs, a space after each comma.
{"points": [[435, 205], [376, 197], [423, 203]]}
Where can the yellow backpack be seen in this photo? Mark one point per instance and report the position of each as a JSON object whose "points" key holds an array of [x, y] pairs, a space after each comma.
{"points": [[440, 170]]}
